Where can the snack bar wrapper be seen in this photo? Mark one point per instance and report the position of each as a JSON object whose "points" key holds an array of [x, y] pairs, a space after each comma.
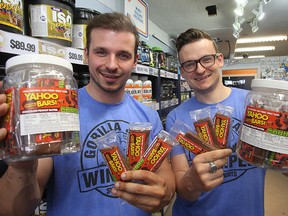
{"points": [[188, 139], [156, 152], [222, 124], [137, 143], [204, 126], [109, 148]]}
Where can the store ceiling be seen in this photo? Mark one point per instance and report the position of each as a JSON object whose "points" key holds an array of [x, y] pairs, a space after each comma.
{"points": [[174, 17]]}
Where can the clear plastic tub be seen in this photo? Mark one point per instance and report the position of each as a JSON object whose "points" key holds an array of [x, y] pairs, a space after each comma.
{"points": [[43, 118], [264, 134]]}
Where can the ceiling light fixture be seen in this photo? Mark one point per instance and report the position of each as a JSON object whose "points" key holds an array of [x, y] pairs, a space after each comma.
{"points": [[256, 56], [255, 49], [254, 26], [239, 10], [242, 2], [238, 22], [240, 7], [266, 1], [236, 33], [259, 12], [262, 39]]}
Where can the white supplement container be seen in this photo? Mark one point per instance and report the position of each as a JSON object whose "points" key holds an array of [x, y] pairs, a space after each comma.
{"points": [[263, 139], [43, 117]]}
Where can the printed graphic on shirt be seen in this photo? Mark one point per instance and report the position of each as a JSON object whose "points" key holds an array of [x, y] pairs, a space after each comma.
{"points": [[95, 175], [235, 167]]}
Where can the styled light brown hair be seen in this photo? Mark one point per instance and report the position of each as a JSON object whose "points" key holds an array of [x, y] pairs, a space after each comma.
{"points": [[192, 35], [113, 21]]}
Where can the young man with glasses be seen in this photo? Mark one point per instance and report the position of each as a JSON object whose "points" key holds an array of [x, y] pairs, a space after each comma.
{"points": [[233, 186]]}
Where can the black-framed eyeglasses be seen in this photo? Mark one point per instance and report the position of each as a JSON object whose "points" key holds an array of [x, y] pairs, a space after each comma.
{"points": [[205, 61]]}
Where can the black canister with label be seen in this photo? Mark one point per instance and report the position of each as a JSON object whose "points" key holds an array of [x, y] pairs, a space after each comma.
{"points": [[50, 20], [11, 16], [80, 19]]}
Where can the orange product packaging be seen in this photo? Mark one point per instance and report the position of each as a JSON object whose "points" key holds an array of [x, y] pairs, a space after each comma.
{"points": [[188, 139], [222, 122], [109, 148], [156, 152], [204, 126], [138, 138], [8, 123]]}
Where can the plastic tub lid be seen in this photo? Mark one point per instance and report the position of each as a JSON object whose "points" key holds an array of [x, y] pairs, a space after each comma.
{"points": [[38, 59], [267, 83]]}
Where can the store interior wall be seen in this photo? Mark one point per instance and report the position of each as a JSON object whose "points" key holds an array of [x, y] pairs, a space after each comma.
{"points": [[156, 36]]}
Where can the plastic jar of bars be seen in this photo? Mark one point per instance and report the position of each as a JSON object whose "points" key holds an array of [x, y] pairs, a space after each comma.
{"points": [[43, 116], [264, 134]]}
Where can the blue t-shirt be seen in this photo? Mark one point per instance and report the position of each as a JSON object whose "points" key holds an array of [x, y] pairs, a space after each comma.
{"points": [[242, 192], [81, 182]]}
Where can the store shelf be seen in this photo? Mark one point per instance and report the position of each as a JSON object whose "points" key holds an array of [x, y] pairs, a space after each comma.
{"points": [[20, 44]]}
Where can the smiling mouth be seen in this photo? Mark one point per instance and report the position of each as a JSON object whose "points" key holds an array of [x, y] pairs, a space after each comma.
{"points": [[202, 77], [109, 75]]}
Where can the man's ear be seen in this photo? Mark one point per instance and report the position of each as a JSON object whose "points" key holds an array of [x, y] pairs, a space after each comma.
{"points": [[85, 54], [136, 60], [182, 72], [221, 59]]}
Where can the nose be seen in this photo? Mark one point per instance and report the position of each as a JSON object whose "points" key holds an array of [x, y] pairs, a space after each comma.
{"points": [[199, 68], [112, 62]]}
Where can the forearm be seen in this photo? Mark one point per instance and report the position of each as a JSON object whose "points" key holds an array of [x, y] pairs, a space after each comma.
{"points": [[186, 189], [20, 193], [169, 177]]}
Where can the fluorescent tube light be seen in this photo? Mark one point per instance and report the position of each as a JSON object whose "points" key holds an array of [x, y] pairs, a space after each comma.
{"points": [[256, 56], [254, 49], [262, 39]]}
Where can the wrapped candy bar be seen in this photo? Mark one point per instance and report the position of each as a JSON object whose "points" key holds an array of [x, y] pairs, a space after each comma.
{"points": [[138, 139], [222, 122], [156, 152], [188, 139], [109, 148], [204, 126]]}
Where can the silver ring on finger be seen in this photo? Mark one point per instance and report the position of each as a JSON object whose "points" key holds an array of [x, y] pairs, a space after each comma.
{"points": [[212, 167]]}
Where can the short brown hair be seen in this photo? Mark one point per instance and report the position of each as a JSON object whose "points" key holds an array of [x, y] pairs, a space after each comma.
{"points": [[192, 35], [114, 21]]}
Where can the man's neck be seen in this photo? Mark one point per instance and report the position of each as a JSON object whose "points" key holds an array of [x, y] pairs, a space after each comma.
{"points": [[105, 97], [215, 96]]}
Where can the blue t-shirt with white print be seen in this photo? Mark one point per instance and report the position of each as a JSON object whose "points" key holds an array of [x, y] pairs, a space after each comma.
{"points": [[242, 192], [81, 182]]}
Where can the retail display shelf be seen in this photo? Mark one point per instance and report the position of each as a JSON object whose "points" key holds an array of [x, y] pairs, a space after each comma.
{"points": [[20, 44]]}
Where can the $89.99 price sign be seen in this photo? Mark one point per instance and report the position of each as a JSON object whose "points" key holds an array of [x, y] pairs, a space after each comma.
{"points": [[20, 44], [23, 46], [17, 44]]}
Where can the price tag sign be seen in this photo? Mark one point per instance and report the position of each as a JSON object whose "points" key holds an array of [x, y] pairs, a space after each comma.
{"points": [[170, 75], [141, 69], [162, 73], [75, 55], [17, 45]]}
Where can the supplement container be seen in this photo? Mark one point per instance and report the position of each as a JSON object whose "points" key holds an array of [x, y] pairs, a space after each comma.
{"points": [[50, 20], [83, 78], [129, 87], [147, 91], [139, 52], [159, 58], [11, 16], [80, 19], [145, 56], [43, 117], [138, 90], [263, 140]]}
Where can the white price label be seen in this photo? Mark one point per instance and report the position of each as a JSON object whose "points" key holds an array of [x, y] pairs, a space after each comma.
{"points": [[17, 44]]}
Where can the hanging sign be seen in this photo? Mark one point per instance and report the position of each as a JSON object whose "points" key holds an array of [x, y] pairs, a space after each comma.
{"points": [[137, 10]]}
